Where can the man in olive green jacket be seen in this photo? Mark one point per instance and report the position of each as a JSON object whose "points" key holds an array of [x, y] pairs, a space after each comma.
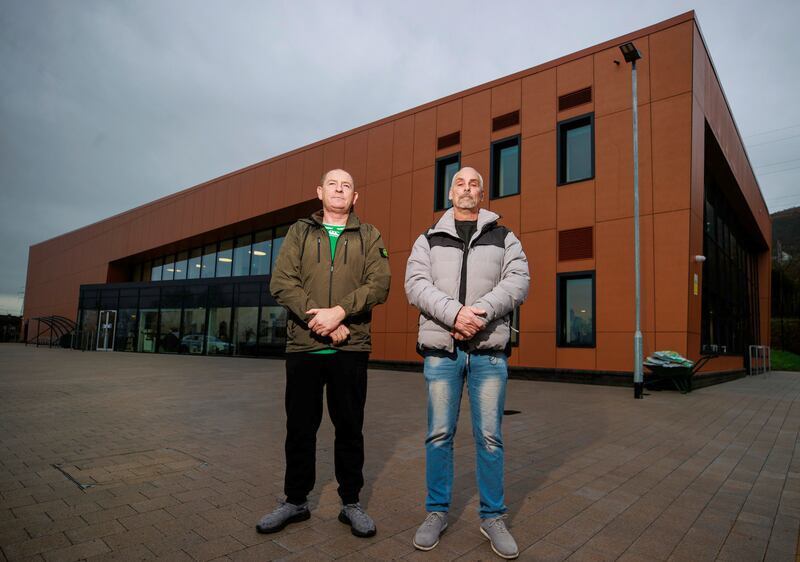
{"points": [[330, 272]]}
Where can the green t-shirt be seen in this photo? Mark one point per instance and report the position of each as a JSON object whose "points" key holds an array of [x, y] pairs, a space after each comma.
{"points": [[334, 230]]}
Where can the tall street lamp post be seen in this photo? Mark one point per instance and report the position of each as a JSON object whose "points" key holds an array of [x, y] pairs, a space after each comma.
{"points": [[631, 55]]}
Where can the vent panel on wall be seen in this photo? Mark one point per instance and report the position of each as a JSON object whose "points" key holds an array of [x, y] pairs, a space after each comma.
{"points": [[449, 140], [505, 120], [575, 244], [574, 99]]}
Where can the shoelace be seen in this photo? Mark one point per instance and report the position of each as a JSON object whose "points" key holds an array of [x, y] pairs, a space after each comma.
{"points": [[500, 523], [432, 517]]}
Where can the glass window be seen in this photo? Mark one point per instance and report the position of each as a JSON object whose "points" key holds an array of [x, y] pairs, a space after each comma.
{"points": [[137, 273], [126, 330], [180, 265], [218, 341], [168, 273], [209, 261], [505, 167], [224, 259], [156, 269], [147, 269], [280, 234], [241, 256], [272, 329], [576, 149], [576, 310], [169, 330], [446, 168], [262, 253], [148, 327], [88, 336], [194, 329], [245, 341], [195, 264]]}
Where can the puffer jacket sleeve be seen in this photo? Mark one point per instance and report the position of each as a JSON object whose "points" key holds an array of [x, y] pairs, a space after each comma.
{"points": [[286, 284], [422, 292], [376, 280], [512, 289]]}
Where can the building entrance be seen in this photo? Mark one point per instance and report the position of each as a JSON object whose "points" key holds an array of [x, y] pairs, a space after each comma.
{"points": [[106, 327]]}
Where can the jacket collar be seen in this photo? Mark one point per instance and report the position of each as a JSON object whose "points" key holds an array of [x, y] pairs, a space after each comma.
{"points": [[447, 224], [352, 220]]}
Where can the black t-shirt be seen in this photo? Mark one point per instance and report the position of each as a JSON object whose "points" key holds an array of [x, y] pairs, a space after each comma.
{"points": [[465, 231]]}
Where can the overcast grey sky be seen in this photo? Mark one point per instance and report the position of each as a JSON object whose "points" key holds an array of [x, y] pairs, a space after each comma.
{"points": [[106, 105]]}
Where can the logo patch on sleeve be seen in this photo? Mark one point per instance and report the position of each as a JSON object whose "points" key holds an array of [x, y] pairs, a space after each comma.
{"points": [[384, 252]]}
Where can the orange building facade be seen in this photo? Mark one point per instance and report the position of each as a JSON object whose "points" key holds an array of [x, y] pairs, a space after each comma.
{"points": [[698, 197]]}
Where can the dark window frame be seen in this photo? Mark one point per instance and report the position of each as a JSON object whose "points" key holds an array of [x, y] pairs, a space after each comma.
{"points": [[439, 189], [560, 295], [494, 169], [561, 128]]}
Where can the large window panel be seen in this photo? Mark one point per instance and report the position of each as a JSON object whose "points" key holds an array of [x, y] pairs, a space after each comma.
{"points": [[168, 273], [125, 339], [505, 167], [224, 259], [245, 340], [277, 242], [218, 336], [446, 168], [180, 265], [262, 253], [241, 256], [209, 263], [272, 329], [576, 149], [195, 264], [148, 330], [156, 269], [576, 309]]}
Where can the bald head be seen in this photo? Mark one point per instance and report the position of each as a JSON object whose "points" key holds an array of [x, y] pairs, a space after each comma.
{"points": [[466, 190]]}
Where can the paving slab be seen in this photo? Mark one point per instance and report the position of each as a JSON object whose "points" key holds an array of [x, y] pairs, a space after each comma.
{"points": [[122, 456]]}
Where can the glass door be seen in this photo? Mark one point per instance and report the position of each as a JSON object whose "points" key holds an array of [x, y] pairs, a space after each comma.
{"points": [[105, 330]]}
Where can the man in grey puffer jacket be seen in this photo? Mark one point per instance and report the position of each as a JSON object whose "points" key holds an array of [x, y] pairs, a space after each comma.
{"points": [[466, 275]]}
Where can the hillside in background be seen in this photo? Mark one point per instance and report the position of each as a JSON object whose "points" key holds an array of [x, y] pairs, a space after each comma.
{"points": [[786, 228]]}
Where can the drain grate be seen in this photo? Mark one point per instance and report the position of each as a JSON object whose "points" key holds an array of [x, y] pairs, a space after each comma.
{"points": [[128, 467]]}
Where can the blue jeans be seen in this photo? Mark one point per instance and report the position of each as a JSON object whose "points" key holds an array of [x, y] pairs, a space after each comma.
{"points": [[486, 375]]}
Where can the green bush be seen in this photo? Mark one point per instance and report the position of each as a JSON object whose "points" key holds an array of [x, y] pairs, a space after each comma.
{"points": [[785, 361]]}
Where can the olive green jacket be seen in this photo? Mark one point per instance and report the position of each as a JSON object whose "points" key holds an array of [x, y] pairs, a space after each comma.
{"points": [[304, 278]]}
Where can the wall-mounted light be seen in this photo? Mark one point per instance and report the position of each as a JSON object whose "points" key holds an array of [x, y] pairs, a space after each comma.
{"points": [[699, 259]]}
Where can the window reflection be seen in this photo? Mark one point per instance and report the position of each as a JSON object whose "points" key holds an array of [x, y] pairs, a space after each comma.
{"points": [[155, 271], [209, 261], [576, 149], [194, 329], [180, 265], [262, 253], [219, 330], [148, 326], [244, 333], [576, 310], [241, 256], [277, 242], [168, 272], [194, 266], [272, 328], [224, 259]]}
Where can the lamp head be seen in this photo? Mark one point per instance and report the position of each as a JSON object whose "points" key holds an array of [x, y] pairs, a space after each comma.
{"points": [[630, 52]]}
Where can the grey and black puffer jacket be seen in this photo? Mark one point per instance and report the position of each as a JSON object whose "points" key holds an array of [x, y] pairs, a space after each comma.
{"points": [[497, 281]]}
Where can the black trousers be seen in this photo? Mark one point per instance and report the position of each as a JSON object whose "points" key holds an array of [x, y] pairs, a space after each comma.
{"points": [[345, 375]]}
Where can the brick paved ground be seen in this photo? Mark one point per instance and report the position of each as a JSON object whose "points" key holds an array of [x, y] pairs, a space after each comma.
{"points": [[184, 454]]}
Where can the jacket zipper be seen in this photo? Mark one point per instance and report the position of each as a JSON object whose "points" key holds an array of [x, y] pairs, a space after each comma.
{"points": [[345, 251], [318, 243], [330, 282]]}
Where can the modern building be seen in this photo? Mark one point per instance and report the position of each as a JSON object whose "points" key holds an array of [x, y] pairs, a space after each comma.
{"points": [[189, 273]]}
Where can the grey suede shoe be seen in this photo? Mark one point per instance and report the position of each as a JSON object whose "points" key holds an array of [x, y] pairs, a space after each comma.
{"points": [[501, 540], [427, 536], [284, 514], [361, 524]]}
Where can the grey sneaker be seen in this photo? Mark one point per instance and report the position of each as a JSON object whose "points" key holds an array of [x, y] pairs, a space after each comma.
{"points": [[501, 540], [427, 536], [284, 514], [361, 524]]}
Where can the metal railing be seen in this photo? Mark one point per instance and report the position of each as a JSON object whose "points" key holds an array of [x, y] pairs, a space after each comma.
{"points": [[759, 359]]}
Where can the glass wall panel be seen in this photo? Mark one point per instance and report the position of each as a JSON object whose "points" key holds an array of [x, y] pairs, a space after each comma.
{"points": [[88, 335], [224, 259], [147, 330], [576, 310], [245, 341], [506, 168], [194, 329], [219, 331], [446, 168], [209, 261], [147, 268], [169, 330], [180, 265], [241, 256], [277, 242], [272, 329], [262, 252], [137, 273], [168, 273], [195, 264], [126, 330], [579, 153], [155, 270]]}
